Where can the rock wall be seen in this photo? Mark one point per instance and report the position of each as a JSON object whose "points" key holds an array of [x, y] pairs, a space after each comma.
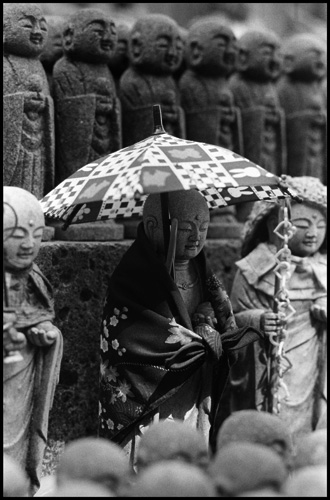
{"points": [[79, 272]]}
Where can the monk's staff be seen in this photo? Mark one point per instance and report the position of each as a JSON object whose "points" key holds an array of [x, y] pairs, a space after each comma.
{"points": [[276, 353]]}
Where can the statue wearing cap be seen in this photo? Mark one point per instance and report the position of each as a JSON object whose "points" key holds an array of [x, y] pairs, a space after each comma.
{"points": [[304, 408], [29, 384]]}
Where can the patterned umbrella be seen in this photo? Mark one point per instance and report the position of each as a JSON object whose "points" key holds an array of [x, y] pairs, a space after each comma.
{"points": [[116, 186]]}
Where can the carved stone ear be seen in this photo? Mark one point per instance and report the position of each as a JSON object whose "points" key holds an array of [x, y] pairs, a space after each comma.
{"points": [[288, 63], [68, 37], [150, 225], [136, 46], [195, 53], [242, 60]]}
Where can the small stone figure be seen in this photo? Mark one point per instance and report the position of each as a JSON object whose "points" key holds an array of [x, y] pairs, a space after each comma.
{"points": [[28, 154], [53, 49], [88, 124], [165, 343], [240, 467], [304, 102], [258, 427], [96, 460], [155, 52], [258, 64], [29, 384], [119, 61], [172, 440], [303, 405], [210, 113], [172, 478]]}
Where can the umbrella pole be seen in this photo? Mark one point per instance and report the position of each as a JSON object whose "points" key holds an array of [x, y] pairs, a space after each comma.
{"points": [[169, 231]]}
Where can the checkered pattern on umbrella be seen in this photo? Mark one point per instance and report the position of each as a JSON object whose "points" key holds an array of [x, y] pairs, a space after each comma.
{"points": [[116, 186]]}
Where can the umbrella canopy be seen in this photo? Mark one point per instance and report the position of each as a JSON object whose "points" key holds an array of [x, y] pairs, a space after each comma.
{"points": [[116, 186]]}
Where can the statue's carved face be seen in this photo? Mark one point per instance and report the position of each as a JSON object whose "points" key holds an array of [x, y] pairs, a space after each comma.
{"points": [[25, 30], [263, 59], [157, 48], [191, 211], [311, 227], [309, 63], [91, 40], [23, 233], [213, 50], [119, 60]]}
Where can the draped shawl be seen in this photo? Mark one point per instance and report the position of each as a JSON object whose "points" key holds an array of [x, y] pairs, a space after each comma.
{"points": [[148, 346]]}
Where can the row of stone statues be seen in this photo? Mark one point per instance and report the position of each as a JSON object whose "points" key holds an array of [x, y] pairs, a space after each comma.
{"points": [[261, 98]]}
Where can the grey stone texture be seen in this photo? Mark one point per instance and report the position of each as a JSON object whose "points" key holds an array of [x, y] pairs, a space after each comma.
{"points": [[255, 94], [88, 112], [79, 272], [208, 103], [305, 104], [155, 52], [28, 108]]}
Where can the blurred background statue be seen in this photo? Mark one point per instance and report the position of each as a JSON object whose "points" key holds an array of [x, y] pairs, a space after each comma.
{"points": [[53, 49], [88, 124], [119, 61], [28, 112], [304, 102], [29, 384], [155, 52], [205, 96]]}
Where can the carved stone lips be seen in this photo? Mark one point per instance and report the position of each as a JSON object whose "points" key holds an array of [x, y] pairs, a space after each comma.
{"points": [[106, 45], [37, 39]]}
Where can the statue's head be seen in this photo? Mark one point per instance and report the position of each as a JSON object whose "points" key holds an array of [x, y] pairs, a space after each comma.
{"points": [[23, 225], [259, 56], [119, 61], [90, 36], [191, 210], [25, 29], [304, 57], [211, 48], [156, 45], [174, 440], [53, 49], [309, 217]]}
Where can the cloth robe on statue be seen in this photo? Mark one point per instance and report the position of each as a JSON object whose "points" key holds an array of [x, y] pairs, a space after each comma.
{"points": [[153, 364]]}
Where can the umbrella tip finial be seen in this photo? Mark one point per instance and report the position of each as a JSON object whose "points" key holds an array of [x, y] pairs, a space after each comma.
{"points": [[158, 122]]}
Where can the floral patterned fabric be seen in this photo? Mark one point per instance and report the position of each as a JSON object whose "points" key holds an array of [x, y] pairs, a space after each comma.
{"points": [[148, 346]]}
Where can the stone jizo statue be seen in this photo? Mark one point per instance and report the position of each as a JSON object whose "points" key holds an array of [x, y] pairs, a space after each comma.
{"points": [[165, 345], [88, 122], [255, 94], [29, 384], [28, 141], [304, 102], [119, 61], [303, 402], [208, 104], [155, 53]]}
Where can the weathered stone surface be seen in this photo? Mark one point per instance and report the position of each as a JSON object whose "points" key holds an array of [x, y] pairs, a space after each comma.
{"points": [[305, 104], [28, 108], [79, 272], [53, 49], [48, 234], [91, 231], [87, 119], [256, 96], [210, 114], [155, 52]]}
